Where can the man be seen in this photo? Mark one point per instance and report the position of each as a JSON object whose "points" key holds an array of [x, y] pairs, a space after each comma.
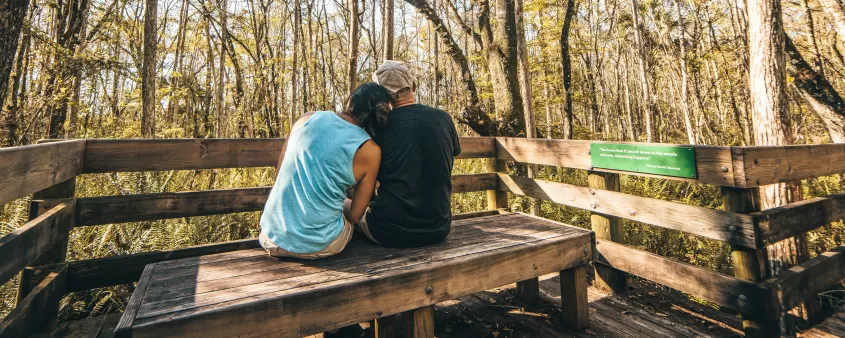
{"points": [[413, 203]]}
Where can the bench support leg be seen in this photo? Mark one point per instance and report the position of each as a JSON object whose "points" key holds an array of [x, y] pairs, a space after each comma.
{"points": [[573, 297], [385, 327], [528, 290], [419, 323]]}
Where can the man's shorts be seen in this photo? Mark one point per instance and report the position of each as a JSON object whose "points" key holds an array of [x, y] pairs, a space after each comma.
{"points": [[364, 228]]}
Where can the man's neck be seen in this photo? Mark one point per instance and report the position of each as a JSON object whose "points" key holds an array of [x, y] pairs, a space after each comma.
{"points": [[404, 101]]}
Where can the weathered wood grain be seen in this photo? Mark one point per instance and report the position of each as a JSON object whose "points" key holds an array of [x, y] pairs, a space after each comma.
{"points": [[124, 326], [189, 154], [101, 272], [28, 169], [474, 182], [811, 277], [136, 208], [314, 306], [720, 225], [419, 323], [573, 297], [718, 288], [768, 165], [34, 311], [610, 228], [793, 219], [714, 164], [25, 244]]}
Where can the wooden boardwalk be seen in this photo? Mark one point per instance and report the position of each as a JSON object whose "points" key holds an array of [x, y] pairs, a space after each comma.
{"points": [[647, 311], [833, 326]]}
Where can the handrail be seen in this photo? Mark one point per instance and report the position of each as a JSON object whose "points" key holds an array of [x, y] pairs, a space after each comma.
{"points": [[28, 169]]}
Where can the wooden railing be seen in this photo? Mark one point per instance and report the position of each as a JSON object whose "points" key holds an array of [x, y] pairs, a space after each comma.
{"points": [[48, 171]]}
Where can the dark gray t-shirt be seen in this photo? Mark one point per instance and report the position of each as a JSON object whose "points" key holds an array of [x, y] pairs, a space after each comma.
{"points": [[413, 205]]}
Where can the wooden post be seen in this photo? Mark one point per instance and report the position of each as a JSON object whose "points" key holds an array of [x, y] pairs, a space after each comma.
{"points": [[56, 254], [607, 228], [385, 327], [573, 297], [419, 323], [748, 263], [528, 290]]}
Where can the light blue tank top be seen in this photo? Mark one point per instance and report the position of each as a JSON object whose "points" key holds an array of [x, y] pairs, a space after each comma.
{"points": [[304, 212]]}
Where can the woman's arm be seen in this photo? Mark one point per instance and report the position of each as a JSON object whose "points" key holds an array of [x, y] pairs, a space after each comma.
{"points": [[366, 164]]}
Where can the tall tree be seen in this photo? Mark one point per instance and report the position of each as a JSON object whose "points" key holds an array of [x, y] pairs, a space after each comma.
{"points": [[12, 14], [220, 99], [836, 10], [387, 29], [685, 109], [651, 108], [148, 75], [525, 90], [567, 69], [352, 49], [819, 94]]}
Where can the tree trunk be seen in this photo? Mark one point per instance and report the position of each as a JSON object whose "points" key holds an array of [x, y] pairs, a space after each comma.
{"points": [[352, 49], [650, 107], [567, 69], [220, 99], [12, 14], [500, 51], [148, 91], [682, 58], [771, 121], [836, 10], [819, 94], [387, 28]]}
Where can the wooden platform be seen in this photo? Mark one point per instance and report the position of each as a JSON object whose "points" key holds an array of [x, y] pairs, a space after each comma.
{"points": [[249, 293], [833, 326], [497, 313]]}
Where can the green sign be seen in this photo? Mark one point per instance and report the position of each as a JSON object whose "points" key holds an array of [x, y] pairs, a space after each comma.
{"points": [[659, 160]]}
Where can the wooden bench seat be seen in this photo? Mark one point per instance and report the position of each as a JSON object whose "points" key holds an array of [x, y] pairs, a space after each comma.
{"points": [[248, 293]]}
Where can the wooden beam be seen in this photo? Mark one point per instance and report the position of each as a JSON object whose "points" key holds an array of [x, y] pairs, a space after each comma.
{"points": [[189, 154], [608, 228], [793, 219], [713, 164], [137, 208], [419, 323], [724, 290], [800, 282], [34, 312], [28, 169], [777, 164], [25, 244], [573, 297], [474, 182], [101, 272], [124, 326], [716, 224]]}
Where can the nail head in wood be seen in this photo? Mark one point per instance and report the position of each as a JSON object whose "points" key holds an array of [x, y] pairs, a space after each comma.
{"points": [[428, 290], [732, 228], [592, 192], [593, 205], [724, 169], [632, 212]]}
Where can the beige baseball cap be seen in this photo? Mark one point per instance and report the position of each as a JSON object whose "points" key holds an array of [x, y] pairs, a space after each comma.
{"points": [[395, 76]]}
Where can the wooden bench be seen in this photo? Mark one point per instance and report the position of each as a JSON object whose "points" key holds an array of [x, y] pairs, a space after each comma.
{"points": [[248, 293]]}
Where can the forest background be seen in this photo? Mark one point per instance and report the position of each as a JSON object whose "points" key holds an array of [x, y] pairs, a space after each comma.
{"points": [[621, 70]]}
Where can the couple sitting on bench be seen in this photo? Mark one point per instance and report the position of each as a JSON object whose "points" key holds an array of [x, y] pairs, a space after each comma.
{"points": [[382, 135]]}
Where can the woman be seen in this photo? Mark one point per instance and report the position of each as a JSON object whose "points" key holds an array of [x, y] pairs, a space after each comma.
{"points": [[325, 154]]}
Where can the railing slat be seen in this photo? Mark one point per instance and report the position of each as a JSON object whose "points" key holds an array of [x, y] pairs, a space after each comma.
{"points": [[28, 169], [33, 313], [768, 165], [189, 154], [714, 164], [721, 289], [793, 219], [25, 244], [710, 223], [809, 278]]}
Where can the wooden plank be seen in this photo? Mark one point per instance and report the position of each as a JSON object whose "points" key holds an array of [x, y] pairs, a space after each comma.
{"points": [[793, 219], [28, 169], [573, 297], [124, 326], [34, 311], [809, 278], [385, 327], [473, 182], [608, 228], [768, 165], [101, 272], [718, 288], [477, 147], [372, 294], [25, 244], [476, 214], [714, 164], [419, 323], [710, 223], [146, 207], [131, 155]]}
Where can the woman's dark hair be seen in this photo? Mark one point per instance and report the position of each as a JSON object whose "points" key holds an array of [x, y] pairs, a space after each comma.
{"points": [[370, 105]]}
